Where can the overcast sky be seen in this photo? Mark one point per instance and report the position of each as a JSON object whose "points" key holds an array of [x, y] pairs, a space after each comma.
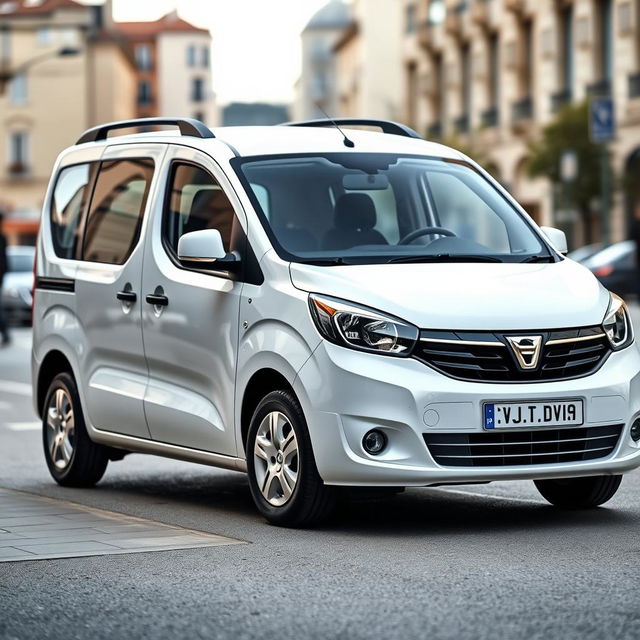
{"points": [[256, 44]]}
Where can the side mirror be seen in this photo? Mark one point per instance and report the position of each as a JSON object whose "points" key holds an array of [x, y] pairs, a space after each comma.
{"points": [[203, 246], [557, 238]]}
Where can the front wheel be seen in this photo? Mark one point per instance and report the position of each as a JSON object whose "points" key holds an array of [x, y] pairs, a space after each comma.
{"points": [[284, 481], [579, 493], [73, 459]]}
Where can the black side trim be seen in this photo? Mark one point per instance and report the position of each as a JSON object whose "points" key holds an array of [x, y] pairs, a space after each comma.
{"points": [[56, 284]]}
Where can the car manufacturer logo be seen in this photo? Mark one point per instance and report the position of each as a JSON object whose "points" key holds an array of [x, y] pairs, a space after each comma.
{"points": [[526, 349]]}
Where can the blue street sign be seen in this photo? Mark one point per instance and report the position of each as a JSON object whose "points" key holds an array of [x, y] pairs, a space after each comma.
{"points": [[602, 120]]}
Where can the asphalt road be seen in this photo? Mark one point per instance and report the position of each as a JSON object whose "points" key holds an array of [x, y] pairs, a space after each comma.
{"points": [[488, 561]]}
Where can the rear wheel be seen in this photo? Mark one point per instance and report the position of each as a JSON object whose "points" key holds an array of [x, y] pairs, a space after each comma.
{"points": [[579, 493], [73, 459], [283, 477]]}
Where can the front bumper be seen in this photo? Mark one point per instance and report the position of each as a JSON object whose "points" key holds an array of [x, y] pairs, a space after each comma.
{"points": [[345, 393]]}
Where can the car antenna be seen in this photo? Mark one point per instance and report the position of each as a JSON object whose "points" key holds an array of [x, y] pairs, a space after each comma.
{"points": [[346, 141]]}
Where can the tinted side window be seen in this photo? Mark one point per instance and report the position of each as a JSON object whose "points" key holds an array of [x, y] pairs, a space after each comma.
{"points": [[197, 202], [69, 200], [116, 210]]}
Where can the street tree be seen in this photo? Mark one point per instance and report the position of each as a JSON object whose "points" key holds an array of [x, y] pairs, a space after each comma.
{"points": [[569, 131]]}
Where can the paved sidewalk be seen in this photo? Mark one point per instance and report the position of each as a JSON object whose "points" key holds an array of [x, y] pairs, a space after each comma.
{"points": [[37, 528]]}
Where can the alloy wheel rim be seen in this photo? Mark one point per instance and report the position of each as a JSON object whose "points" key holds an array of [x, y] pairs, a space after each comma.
{"points": [[60, 428], [276, 459]]}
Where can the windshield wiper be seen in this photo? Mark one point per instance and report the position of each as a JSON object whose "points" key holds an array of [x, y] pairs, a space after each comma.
{"points": [[538, 259], [325, 262], [446, 257]]}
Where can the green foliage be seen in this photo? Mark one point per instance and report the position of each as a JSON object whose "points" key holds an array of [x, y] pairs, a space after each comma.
{"points": [[570, 131]]}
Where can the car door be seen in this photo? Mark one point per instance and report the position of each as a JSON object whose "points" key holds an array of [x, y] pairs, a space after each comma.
{"points": [[108, 283], [190, 324]]}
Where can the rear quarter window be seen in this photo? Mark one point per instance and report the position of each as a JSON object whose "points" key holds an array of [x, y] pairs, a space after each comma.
{"points": [[68, 204]]}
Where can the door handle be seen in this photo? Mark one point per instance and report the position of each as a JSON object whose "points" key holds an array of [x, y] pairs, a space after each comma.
{"points": [[157, 300], [127, 296]]}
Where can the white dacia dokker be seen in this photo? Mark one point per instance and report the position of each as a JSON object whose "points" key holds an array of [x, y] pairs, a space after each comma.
{"points": [[321, 308]]}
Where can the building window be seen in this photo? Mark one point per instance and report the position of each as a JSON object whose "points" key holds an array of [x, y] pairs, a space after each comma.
{"points": [[18, 153], [144, 92], [43, 36], [604, 30], [18, 89], [197, 90], [410, 19], [526, 58], [437, 12], [191, 56], [494, 71], [465, 64], [566, 48], [69, 36], [143, 57], [206, 57]]}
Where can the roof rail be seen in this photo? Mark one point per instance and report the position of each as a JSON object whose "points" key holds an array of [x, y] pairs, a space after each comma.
{"points": [[387, 126], [187, 126]]}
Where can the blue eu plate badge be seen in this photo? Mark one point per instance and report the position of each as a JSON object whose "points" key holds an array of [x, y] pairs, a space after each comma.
{"points": [[489, 422]]}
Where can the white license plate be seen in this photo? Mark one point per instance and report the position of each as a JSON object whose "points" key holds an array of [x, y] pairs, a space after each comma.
{"points": [[502, 415]]}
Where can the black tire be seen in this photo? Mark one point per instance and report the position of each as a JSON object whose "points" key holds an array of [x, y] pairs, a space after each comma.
{"points": [[311, 500], [579, 493], [87, 461]]}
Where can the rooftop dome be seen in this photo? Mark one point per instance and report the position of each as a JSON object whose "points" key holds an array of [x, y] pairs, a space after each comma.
{"points": [[334, 14]]}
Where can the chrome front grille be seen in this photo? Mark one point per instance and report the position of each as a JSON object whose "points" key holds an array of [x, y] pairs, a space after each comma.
{"points": [[490, 356], [518, 448]]}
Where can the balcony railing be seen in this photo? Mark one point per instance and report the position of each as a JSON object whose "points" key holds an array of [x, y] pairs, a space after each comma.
{"points": [[599, 88], [461, 124], [522, 109], [490, 117], [561, 98], [434, 130], [634, 85]]}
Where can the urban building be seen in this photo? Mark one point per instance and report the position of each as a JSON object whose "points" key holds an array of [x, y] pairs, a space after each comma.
{"points": [[62, 72], [173, 60], [316, 87], [491, 73], [368, 60], [254, 113]]}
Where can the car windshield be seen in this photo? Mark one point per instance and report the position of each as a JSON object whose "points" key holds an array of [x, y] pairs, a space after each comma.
{"points": [[358, 208], [610, 254], [20, 262]]}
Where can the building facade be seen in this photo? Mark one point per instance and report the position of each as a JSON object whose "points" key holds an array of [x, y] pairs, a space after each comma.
{"points": [[368, 57], [63, 74], [316, 88], [173, 66], [492, 73]]}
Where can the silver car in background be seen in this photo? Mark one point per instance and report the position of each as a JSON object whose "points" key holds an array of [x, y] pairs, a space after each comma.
{"points": [[17, 285]]}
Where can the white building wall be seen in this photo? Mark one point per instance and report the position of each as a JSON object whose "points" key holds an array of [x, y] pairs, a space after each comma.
{"points": [[176, 77]]}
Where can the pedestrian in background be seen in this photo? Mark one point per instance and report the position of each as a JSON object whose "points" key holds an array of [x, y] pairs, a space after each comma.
{"points": [[4, 331]]}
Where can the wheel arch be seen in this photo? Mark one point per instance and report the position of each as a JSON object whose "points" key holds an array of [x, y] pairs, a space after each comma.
{"points": [[54, 362], [261, 383]]}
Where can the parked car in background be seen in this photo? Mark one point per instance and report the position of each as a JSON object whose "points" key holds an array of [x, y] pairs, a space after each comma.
{"points": [[17, 285], [615, 267], [584, 253]]}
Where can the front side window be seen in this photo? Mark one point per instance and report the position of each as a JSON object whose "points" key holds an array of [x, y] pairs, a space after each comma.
{"points": [[358, 208], [67, 206], [117, 209], [197, 202]]}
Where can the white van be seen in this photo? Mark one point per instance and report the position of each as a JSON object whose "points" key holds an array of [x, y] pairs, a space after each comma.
{"points": [[321, 307]]}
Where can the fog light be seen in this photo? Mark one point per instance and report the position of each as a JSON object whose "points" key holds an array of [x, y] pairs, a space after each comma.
{"points": [[635, 431], [374, 442]]}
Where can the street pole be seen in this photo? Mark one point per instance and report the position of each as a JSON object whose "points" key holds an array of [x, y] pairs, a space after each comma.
{"points": [[605, 191]]}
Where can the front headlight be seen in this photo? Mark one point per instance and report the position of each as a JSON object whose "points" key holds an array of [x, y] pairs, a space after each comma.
{"points": [[617, 324], [357, 327]]}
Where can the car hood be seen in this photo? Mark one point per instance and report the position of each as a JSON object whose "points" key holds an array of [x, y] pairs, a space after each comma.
{"points": [[467, 296]]}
